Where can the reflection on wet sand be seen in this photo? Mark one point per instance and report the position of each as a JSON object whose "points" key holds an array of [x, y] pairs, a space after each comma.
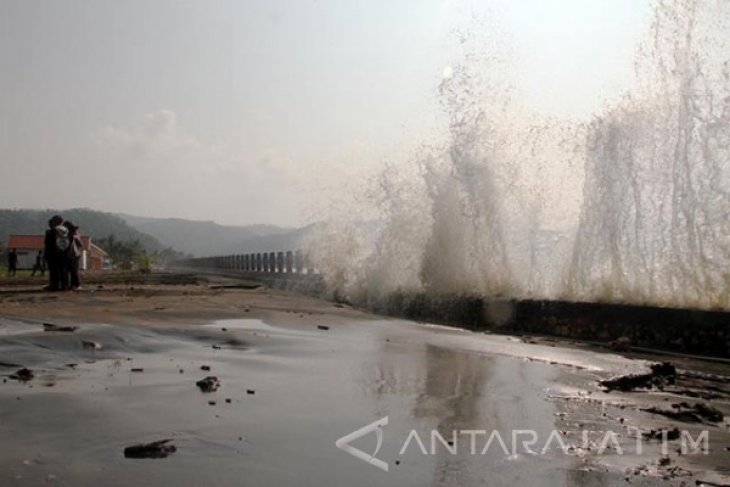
{"points": [[450, 391], [451, 397]]}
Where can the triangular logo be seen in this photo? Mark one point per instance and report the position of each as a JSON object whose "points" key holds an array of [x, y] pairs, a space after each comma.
{"points": [[377, 426]]}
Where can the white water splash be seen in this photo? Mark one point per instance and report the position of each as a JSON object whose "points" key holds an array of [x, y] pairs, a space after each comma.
{"points": [[496, 212], [655, 226]]}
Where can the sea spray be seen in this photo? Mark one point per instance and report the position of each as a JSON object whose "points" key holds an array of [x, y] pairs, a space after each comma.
{"points": [[655, 222], [498, 211]]}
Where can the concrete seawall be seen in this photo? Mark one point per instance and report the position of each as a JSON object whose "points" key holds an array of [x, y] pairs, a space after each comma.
{"points": [[684, 331], [624, 326]]}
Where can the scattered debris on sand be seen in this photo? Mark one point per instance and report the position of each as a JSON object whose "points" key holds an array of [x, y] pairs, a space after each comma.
{"points": [[156, 449], [663, 468], [661, 374], [249, 285], [23, 375], [209, 384], [660, 434], [64, 328], [683, 411]]}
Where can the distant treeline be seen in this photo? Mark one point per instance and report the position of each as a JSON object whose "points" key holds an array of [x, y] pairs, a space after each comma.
{"points": [[132, 252]]}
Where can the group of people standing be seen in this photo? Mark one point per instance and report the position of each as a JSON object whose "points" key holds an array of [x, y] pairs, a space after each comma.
{"points": [[62, 249]]}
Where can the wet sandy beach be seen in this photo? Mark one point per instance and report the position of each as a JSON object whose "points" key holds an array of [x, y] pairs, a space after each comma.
{"points": [[298, 373]]}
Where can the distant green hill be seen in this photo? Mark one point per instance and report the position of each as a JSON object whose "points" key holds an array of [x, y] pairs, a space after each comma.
{"points": [[97, 224], [202, 238]]}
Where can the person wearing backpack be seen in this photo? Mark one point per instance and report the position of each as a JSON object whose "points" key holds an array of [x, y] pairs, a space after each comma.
{"points": [[73, 255], [63, 243], [55, 244]]}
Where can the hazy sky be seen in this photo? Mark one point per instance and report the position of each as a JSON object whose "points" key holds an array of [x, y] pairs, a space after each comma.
{"points": [[255, 111]]}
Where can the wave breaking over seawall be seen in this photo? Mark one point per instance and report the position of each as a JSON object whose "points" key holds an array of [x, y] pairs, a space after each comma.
{"points": [[633, 206]]}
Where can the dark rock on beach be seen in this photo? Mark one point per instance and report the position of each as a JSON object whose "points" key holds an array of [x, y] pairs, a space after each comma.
{"points": [[661, 374], [89, 345], [52, 327], [209, 384], [156, 449], [23, 375]]}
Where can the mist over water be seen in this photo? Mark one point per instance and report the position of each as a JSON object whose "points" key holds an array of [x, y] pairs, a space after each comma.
{"points": [[632, 206]]}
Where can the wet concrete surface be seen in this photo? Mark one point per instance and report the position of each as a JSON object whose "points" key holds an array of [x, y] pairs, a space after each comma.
{"points": [[289, 391]]}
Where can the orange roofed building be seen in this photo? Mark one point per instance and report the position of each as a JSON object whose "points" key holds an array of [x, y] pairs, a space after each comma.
{"points": [[93, 257]]}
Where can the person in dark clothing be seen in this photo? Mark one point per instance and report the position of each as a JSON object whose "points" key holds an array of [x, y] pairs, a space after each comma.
{"points": [[73, 255], [12, 262], [54, 254], [39, 265]]}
